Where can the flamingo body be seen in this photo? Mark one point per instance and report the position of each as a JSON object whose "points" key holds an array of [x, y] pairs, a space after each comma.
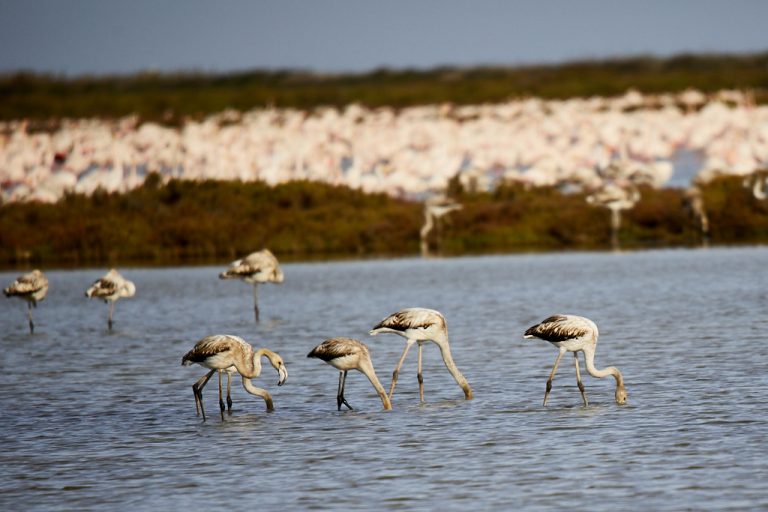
{"points": [[111, 287], [572, 333], [346, 354], [256, 268], [221, 352], [419, 325], [32, 288]]}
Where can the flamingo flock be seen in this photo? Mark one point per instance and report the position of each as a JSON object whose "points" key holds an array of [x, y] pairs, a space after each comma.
{"points": [[411, 152], [232, 355]]}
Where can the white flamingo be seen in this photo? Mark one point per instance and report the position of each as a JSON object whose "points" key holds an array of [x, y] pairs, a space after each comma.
{"points": [[220, 352], [616, 198], [346, 354], [571, 333], [110, 288], [257, 267], [419, 325], [30, 287], [694, 203], [435, 208]]}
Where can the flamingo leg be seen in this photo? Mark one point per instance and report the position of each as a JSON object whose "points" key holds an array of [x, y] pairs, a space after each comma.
{"points": [[552, 375], [256, 302], [615, 225], [197, 390], [340, 394], [29, 317], [420, 377], [395, 373], [578, 379], [229, 391], [111, 310], [221, 399]]}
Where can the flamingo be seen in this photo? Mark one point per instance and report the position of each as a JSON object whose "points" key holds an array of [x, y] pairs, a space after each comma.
{"points": [[257, 267], [346, 354], [694, 203], [435, 208], [616, 197], [571, 333], [220, 352], [30, 287], [758, 180], [418, 325], [111, 287]]}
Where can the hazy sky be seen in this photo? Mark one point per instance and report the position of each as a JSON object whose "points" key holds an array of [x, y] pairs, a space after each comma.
{"points": [[111, 36]]}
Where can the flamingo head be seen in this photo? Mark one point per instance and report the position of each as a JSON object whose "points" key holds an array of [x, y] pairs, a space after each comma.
{"points": [[621, 395]]}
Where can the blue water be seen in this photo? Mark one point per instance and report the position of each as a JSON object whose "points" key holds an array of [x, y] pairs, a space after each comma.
{"points": [[98, 420]]}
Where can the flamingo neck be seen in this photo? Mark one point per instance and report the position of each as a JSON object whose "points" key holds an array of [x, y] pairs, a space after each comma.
{"points": [[367, 369], [589, 357], [445, 350], [263, 393], [250, 367]]}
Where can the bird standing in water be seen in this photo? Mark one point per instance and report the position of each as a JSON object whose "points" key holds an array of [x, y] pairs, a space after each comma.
{"points": [[30, 287], [222, 351], [258, 267], [571, 333], [111, 287], [346, 354], [419, 325]]}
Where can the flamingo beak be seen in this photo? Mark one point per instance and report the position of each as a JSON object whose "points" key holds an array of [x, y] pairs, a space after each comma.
{"points": [[283, 372]]}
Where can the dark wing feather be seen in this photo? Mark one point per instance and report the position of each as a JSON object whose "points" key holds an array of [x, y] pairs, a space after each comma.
{"points": [[404, 320], [336, 347], [106, 286], [556, 328], [204, 349]]}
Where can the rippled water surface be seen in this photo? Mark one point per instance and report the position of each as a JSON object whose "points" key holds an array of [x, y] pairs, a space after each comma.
{"points": [[99, 420]]}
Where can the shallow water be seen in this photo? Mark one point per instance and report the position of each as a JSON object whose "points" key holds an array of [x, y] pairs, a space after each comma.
{"points": [[99, 420]]}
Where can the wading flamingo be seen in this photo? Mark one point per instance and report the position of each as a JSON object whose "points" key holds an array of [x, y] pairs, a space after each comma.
{"points": [[30, 287], [571, 333], [418, 325], [222, 351], [346, 354], [616, 198], [111, 287], [257, 267], [435, 208]]}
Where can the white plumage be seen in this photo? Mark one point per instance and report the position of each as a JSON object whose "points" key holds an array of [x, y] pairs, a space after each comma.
{"points": [[571, 333], [258, 267], [221, 352], [419, 325], [32, 288], [110, 288], [346, 354]]}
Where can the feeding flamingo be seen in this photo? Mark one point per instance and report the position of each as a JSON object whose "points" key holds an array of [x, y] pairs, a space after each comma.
{"points": [[571, 333], [346, 354], [419, 325], [222, 351]]}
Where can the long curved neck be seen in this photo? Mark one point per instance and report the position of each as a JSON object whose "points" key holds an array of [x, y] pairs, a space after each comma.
{"points": [[263, 393], [589, 357], [445, 350], [250, 365], [367, 370]]}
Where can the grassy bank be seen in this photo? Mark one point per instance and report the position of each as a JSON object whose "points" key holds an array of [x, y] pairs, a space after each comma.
{"points": [[188, 222], [169, 98]]}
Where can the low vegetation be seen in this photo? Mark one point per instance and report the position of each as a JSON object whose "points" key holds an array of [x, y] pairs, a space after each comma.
{"points": [[187, 222]]}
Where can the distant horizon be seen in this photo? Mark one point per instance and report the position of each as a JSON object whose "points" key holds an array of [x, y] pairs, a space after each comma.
{"points": [[391, 69]]}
